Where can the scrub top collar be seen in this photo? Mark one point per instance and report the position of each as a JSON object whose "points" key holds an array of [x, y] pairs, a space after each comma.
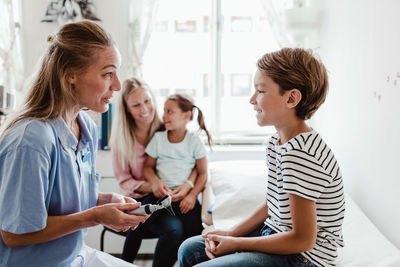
{"points": [[86, 137], [67, 138]]}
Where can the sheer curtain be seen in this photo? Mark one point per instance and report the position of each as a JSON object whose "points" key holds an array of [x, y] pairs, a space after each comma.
{"points": [[275, 17], [295, 23], [11, 68], [142, 17]]}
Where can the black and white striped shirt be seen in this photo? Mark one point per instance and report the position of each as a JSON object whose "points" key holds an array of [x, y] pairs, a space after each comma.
{"points": [[305, 166]]}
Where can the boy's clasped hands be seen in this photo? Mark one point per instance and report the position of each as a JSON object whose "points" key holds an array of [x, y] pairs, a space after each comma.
{"points": [[219, 243]]}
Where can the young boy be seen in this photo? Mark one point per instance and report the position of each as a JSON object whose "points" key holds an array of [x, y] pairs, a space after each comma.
{"points": [[301, 222]]}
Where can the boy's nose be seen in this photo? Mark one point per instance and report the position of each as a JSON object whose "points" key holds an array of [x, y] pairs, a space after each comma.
{"points": [[253, 99]]}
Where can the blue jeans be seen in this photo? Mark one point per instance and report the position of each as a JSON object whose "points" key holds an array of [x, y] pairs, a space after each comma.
{"points": [[191, 253], [170, 230]]}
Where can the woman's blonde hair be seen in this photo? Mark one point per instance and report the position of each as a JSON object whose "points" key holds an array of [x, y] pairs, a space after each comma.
{"points": [[72, 49], [123, 139]]}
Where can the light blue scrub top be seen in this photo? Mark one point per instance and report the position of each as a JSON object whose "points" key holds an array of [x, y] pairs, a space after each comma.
{"points": [[41, 175]]}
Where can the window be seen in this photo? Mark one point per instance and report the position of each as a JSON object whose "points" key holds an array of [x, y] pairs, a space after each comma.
{"points": [[208, 49]]}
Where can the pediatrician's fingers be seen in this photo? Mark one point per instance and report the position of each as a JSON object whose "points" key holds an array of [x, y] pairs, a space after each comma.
{"points": [[126, 229], [130, 200], [128, 206], [117, 198], [134, 227]]}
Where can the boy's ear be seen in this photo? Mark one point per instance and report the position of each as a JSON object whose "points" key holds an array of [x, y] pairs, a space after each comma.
{"points": [[294, 97]]}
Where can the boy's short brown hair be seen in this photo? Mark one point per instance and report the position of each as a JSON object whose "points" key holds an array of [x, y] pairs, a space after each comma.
{"points": [[298, 68]]}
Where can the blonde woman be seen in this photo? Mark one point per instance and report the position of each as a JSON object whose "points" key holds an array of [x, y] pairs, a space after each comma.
{"points": [[135, 124], [48, 183]]}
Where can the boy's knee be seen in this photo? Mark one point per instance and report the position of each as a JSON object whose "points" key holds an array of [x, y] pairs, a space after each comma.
{"points": [[184, 246], [184, 253], [190, 246]]}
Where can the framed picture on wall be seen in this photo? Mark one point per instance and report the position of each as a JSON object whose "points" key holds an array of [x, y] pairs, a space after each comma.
{"points": [[185, 25]]}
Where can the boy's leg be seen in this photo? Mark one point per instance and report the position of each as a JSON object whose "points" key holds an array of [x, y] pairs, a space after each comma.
{"points": [[256, 259], [191, 252]]}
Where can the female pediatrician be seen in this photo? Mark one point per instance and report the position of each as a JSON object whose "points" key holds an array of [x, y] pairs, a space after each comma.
{"points": [[48, 184]]}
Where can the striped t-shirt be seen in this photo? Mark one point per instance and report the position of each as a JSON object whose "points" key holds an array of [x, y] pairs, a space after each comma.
{"points": [[305, 166]]}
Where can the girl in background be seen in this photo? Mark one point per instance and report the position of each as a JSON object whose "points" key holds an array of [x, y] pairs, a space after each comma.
{"points": [[172, 154]]}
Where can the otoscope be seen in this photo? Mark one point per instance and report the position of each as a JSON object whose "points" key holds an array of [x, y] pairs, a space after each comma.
{"points": [[162, 203]]}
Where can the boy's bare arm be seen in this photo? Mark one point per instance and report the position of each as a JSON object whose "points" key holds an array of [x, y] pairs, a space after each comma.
{"points": [[247, 226], [301, 238]]}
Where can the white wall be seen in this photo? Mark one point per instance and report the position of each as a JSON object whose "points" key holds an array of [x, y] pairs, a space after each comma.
{"points": [[359, 45], [113, 15]]}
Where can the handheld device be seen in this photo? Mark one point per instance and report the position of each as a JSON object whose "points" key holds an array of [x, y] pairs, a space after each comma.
{"points": [[162, 203]]}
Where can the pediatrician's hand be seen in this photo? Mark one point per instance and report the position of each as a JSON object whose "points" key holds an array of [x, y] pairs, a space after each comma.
{"points": [[114, 216], [217, 245], [105, 198], [117, 198]]}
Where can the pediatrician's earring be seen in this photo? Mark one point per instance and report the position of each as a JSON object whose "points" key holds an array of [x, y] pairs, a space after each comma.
{"points": [[71, 78]]}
